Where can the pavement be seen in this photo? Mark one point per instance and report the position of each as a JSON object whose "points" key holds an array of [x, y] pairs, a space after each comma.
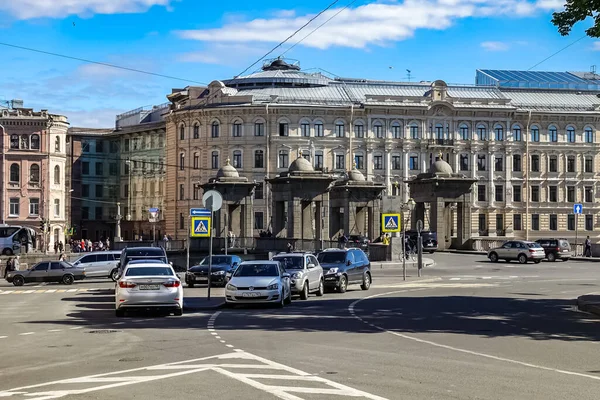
{"points": [[466, 329]]}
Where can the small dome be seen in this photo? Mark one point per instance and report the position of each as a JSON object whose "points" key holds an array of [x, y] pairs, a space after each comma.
{"points": [[440, 167], [228, 171], [356, 175], [301, 164]]}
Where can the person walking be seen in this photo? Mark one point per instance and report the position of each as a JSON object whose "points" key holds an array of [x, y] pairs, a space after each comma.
{"points": [[63, 257], [8, 267], [16, 264], [61, 246], [588, 247], [55, 247]]}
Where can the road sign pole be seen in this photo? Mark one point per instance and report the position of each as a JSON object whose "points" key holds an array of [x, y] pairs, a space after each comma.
{"points": [[403, 249], [576, 233], [189, 241], [210, 252]]}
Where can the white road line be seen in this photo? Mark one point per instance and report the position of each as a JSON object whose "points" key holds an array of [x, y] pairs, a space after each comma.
{"points": [[3, 337], [54, 330], [26, 333], [50, 291], [222, 341], [229, 345], [71, 290], [351, 310], [76, 327], [29, 291]]}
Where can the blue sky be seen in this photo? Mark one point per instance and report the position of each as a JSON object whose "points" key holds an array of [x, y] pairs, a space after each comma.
{"points": [[201, 41]]}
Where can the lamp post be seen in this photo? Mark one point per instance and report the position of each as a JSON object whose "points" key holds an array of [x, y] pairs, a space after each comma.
{"points": [[410, 205], [118, 218]]}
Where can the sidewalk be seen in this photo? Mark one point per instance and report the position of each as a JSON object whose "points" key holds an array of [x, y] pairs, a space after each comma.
{"points": [[484, 253], [427, 262], [589, 303]]}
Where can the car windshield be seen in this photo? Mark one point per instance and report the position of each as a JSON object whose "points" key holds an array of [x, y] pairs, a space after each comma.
{"points": [[142, 259], [534, 245], [217, 260], [146, 260], [290, 262], [334, 257], [257, 270], [149, 271]]}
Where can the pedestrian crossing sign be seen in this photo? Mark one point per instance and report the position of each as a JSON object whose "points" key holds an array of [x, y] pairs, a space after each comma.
{"points": [[200, 227], [390, 223]]}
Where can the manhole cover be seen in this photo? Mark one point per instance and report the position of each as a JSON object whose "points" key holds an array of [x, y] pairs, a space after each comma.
{"points": [[104, 331], [131, 359]]}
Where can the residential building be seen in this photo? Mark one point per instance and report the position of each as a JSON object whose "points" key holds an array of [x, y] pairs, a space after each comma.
{"points": [[529, 139], [33, 163]]}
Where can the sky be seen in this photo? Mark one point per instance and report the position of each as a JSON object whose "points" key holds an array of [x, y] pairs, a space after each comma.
{"points": [[194, 42]]}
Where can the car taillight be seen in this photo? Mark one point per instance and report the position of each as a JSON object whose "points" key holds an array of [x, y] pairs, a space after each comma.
{"points": [[558, 249], [126, 285], [172, 284]]}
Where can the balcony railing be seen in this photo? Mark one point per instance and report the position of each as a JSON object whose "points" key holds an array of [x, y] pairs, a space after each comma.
{"points": [[441, 142]]}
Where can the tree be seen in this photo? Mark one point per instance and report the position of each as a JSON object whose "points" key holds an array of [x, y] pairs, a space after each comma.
{"points": [[576, 11]]}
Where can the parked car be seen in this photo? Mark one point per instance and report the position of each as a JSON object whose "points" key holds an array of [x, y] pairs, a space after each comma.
{"points": [[149, 286], [221, 270], [98, 264], [430, 240], [556, 249], [519, 250], [306, 273], [47, 271], [343, 267], [360, 241], [259, 282], [138, 253]]}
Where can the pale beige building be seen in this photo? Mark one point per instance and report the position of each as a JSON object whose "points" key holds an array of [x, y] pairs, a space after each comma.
{"points": [[533, 151]]}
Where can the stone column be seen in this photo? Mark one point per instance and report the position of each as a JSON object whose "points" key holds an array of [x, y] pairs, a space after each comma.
{"points": [[405, 189], [326, 211], [424, 161], [294, 219], [387, 162], [491, 188], [473, 165], [508, 176]]}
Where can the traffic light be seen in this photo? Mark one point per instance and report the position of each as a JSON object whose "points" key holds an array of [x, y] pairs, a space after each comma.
{"points": [[43, 225]]}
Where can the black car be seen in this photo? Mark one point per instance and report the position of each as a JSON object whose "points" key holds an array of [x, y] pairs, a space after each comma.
{"points": [[138, 253], [360, 241], [343, 267], [221, 269], [430, 242], [556, 249]]}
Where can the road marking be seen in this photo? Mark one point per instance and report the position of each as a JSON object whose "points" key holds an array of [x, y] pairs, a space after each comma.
{"points": [[50, 290], [351, 310], [229, 345], [61, 290], [71, 290], [3, 337], [26, 333], [29, 291], [76, 327], [54, 330]]}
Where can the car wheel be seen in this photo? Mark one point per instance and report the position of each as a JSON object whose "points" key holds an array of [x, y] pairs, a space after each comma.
{"points": [[493, 257], [537, 261], [119, 313], [522, 259], [67, 279], [288, 299], [304, 292], [551, 257], [18, 280], [281, 300], [321, 289], [343, 285], [366, 282], [178, 313], [7, 252], [114, 275]]}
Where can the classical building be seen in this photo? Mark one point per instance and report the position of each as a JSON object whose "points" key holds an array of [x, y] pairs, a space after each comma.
{"points": [[33, 162], [528, 139]]}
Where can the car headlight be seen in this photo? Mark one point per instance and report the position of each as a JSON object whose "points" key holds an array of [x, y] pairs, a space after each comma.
{"points": [[219, 273], [297, 275], [231, 287], [274, 286], [332, 271]]}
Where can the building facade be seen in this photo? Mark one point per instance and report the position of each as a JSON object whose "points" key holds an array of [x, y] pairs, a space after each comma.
{"points": [[532, 145], [33, 171]]}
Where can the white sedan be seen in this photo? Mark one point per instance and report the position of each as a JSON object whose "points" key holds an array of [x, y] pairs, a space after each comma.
{"points": [[149, 286], [259, 282]]}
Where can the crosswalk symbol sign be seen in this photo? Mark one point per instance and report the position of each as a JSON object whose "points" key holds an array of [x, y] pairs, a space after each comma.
{"points": [[390, 222], [200, 227]]}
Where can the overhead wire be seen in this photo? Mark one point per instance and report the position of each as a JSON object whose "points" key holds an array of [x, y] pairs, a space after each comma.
{"points": [[552, 55]]}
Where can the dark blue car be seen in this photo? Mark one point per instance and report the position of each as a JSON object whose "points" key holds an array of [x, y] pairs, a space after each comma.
{"points": [[222, 268]]}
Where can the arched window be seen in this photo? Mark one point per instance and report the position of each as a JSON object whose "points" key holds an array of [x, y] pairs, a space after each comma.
{"points": [[589, 135], [214, 130], [196, 131], [499, 133], [34, 173], [396, 130], [464, 131], [359, 129], [570, 134], [182, 132], [56, 175], [259, 159], [15, 173], [56, 144], [305, 128], [414, 130], [259, 128], [439, 131], [553, 133], [214, 160], [340, 130], [14, 141], [237, 159], [482, 132], [236, 128], [516, 130], [181, 161], [378, 130], [535, 133], [35, 141], [196, 161], [319, 131]]}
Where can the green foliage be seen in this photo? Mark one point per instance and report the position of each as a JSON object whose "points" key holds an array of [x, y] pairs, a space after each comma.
{"points": [[577, 11]]}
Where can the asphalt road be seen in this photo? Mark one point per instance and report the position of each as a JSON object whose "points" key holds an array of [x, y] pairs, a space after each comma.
{"points": [[467, 329]]}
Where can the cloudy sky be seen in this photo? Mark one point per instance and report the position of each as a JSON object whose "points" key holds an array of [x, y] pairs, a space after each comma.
{"points": [[197, 41]]}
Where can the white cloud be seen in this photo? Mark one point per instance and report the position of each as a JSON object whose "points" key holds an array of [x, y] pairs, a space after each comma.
{"points": [[28, 9], [374, 23], [596, 46], [93, 118], [495, 46]]}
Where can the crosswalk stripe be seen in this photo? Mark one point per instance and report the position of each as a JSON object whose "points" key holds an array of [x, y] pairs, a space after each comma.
{"points": [[71, 290], [50, 290], [29, 291], [61, 290]]}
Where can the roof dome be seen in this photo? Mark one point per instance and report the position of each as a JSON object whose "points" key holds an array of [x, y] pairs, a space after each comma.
{"points": [[228, 171], [356, 175], [440, 167], [301, 164]]}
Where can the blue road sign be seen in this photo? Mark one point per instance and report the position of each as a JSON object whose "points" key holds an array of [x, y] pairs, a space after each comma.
{"points": [[200, 227], [578, 208], [199, 212], [153, 210], [390, 222]]}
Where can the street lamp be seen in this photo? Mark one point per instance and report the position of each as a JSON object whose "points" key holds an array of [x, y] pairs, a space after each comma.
{"points": [[410, 206]]}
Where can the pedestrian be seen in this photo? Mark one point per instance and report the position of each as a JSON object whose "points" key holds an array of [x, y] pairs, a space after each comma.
{"points": [[55, 247], [9, 266], [61, 246], [166, 241], [63, 257], [588, 247], [343, 240], [107, 244], [386, 239], [16, 264], [82, 245], [290, 247]]}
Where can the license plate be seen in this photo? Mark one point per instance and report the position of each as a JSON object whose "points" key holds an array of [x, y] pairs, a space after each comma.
{"points": [[149, 287], [251, 294]]}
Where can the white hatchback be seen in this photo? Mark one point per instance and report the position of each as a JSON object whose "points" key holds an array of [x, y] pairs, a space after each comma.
{"points": [[259, 282], [149, 286]]}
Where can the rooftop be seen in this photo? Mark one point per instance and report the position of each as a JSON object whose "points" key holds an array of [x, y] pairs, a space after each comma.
{"points": [[538, 79]]}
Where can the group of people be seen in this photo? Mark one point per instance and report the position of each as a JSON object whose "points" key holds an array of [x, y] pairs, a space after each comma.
{"points": [[86, 245], [12, 264]]}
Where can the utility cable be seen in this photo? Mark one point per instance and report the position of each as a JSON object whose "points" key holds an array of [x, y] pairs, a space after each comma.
{"points": [[564, 48]]}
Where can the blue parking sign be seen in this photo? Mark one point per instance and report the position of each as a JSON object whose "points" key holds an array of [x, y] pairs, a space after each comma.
{"points": [[578, 208]]}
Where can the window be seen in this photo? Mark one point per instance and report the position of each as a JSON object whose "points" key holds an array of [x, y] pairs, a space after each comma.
{"points": [[517, 133], [259, 220], [34, 174], [499, 193], [15, 173], [481, 162], [85, 213], [259, 191], [214, 130], [571, 134], [259, 129], [237, 129], [284, 159], [319, 131], [259, 159], [181, 221], [378, 161], [378, 130], [481, 132], [396, 131], [396, 162], [359, 130], [553, 133], [14, 141], [34, 207], [517, 193], [482, 222], [589, 135], [499, 131], [56, 175], [182, 132], [196, 191], [112, 169], [517, 162], [499, 163], [463, 164], [553, 222], [35, 142], [99, 191], [237, 159], [413, 163], [589, 164], [196, 161], [24, 142], [439, 131], [571, 164], [196, 131], [553, 165], [14, 207], [305, 129], [571, 194], [340, 161], [499, 222], [589, 222], [98, 214], [480, 192], [535, 222], [464, 132], [553, 194], [535, 133], [85, 190], [57, 207], [319, 160], [517, 222], [126, 191], [535, 193], [588, 194], [283, 129], [414, 131], [181, 192], [57, 144], [126, 168], [339, 130], [535, 163], [359, 161], [126, 144], [181, 161], [571, 222], [214, 160], [99, 169]]}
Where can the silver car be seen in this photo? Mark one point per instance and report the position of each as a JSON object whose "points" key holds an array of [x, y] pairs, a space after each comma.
{"points": [[98, 264], [259, 282], [520, 250], [306, 273]]}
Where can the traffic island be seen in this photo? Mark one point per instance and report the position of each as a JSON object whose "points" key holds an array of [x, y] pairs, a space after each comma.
{"points": [[589, 303]]}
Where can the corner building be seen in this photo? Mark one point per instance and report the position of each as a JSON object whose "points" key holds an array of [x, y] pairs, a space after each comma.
{"points": [[530, 140]]}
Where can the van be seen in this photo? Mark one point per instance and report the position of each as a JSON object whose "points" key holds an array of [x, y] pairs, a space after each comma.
{"points": [[98, 264], [138, 253]]}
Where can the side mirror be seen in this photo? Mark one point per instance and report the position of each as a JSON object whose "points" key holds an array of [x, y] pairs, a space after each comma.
{"points": [[285, 275], [312, 266], [348, 262]]}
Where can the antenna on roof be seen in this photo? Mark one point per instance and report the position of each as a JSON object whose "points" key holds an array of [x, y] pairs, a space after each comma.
{"points": [[593, 69], [408, 74]]}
